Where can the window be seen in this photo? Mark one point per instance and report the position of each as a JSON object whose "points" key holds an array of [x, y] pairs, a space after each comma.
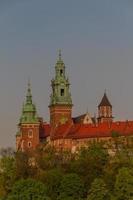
{"points": [[62, 92], [29, 144], [30, 133], [61, 72]]}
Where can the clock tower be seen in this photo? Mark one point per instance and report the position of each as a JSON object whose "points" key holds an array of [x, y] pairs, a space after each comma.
{"points": [[60, 99]]}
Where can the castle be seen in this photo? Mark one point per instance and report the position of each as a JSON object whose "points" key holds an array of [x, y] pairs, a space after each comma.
{"points": [[65, 131]]}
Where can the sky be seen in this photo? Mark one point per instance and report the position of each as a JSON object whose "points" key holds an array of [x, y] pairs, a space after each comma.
{"points": [[96, 39]]}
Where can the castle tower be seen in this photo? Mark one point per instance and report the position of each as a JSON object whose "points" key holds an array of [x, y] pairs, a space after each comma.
{"points": [[60, 99], [105, 110], [27, 137]]}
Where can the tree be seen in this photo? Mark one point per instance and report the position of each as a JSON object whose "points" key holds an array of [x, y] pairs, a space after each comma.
{"points": [[98, 190], [24, 169], [7, 152], [46, 157], [7, 174], [90, 163], [28, 190], [53, 179], [124, 184], [71, 187]]}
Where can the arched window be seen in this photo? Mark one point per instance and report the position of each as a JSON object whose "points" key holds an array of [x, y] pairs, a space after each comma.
{"points": [[61, 72], [62, 92], [29, 144]]}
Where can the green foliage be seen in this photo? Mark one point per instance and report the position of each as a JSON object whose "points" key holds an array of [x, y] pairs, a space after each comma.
{"points": [[46, 157], [53, 179], [90, 163], [28, 190], [24, 168], [98, 191], [71, 187], [124, 184], [7, 174], [91, 173]]}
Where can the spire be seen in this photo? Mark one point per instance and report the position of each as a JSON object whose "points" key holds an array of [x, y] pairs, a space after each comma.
{"points": [[29, 95], [105, 101], [60, 55], [60, 62], [29, 114]]}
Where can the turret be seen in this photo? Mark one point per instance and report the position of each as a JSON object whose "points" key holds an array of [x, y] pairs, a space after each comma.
{"points": [[27, 137], [105, 110]]}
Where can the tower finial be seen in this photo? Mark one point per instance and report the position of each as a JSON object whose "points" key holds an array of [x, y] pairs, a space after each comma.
{"points": [[105, 91], [29, 95], [59, 54], [29, 85]]}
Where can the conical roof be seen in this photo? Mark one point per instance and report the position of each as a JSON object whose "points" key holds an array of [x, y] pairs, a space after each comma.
{"points": [[105, 101]]}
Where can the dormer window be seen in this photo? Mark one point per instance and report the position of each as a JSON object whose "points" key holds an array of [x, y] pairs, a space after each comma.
{"points": [[62, 92]]}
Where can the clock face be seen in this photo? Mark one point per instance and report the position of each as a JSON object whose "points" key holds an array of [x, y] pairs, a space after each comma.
{"points": [[63, 120]]}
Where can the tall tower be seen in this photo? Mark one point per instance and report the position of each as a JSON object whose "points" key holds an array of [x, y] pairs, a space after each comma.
{"points": [[27, 137], [60, 99], [105, 110]]}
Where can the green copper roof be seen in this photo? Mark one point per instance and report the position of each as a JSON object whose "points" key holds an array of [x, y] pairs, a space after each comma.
{"points": [[60, 85], [29, 114]]}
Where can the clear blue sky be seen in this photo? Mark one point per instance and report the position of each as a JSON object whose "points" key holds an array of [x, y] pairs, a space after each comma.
{"points": [[96, 38]]}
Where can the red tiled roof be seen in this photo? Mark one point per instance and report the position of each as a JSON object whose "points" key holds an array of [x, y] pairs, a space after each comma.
{"points": [[62, 131], [79, 131]]}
